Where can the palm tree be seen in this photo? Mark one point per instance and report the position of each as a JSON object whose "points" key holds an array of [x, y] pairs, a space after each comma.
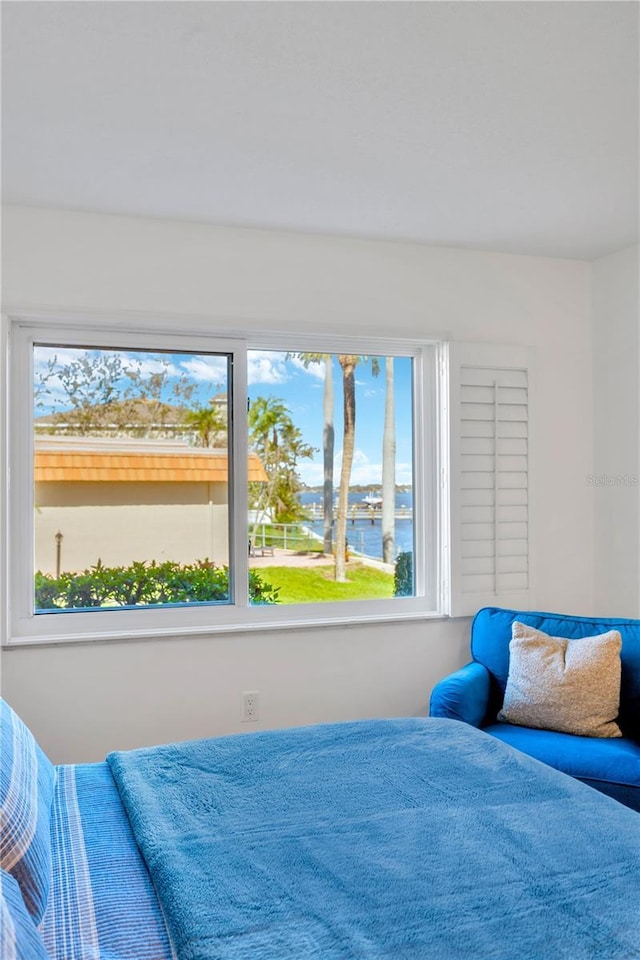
{"points": [[206, 422], [265, 416], [286, 484], [348, 362], [279, 444], [388, 468], [328, 440]]}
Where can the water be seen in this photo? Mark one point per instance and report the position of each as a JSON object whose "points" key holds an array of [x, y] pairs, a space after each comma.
{"points": [[363, 536]]}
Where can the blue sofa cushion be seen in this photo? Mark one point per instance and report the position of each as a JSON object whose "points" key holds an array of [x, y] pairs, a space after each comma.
{"points": [[591, 758], [19, 939], [27, 780], [491, 635]]}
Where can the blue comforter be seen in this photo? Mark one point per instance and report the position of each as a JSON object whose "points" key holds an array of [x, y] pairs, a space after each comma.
{"points": [[395, 839]]}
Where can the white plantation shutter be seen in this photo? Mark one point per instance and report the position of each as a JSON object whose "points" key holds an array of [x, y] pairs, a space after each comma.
{"points": [[489, 406]]}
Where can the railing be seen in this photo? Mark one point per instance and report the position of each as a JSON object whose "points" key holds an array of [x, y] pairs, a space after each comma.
{"points": [[264, 537], [287, 536]]}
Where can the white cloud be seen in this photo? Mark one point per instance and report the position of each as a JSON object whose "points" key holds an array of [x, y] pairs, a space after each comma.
{"points": [[360, 459], [315, 368], [311, 473], [50, 393], [42, 355], [206, 369], [370, 473], [148, 365], [266, 367], [366, 473], [404, 473], [363, 471]]}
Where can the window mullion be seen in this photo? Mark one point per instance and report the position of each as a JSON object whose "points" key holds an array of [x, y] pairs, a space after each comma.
{"points": [[238, 492]]}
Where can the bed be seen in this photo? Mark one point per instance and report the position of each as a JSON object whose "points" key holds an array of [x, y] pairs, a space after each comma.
{"points": [[406, 839]]}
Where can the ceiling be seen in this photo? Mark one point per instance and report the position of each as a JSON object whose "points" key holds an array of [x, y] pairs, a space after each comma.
{"points": [[509, 126]]}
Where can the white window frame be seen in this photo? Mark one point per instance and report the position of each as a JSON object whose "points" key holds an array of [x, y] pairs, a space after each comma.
{"points": [[22, 626]]}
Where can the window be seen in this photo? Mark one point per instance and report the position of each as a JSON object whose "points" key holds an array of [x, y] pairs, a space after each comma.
{"points": [[164, 483], [335, 435], [130, 478]]}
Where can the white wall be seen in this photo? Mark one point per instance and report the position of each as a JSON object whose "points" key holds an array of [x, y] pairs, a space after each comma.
{"points": [[84, 700], [616, 366]]}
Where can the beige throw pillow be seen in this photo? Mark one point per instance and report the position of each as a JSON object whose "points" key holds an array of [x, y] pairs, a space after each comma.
{"points": [[572, 686]]}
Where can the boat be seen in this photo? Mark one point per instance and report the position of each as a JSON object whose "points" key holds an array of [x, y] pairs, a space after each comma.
{"points": [[372, 500]]}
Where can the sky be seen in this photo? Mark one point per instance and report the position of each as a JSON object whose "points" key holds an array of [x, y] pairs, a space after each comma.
{"points": [[283, 377], [272, 374]]}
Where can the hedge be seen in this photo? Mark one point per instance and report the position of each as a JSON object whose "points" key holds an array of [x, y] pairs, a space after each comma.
{"points": [[403, 575], [144, 584]]}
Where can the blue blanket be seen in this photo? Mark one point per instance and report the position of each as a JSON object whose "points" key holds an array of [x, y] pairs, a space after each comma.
{"points": [[397, 839]]}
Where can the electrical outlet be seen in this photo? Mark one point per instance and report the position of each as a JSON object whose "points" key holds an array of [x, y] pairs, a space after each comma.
{"points": [[250, 706]]}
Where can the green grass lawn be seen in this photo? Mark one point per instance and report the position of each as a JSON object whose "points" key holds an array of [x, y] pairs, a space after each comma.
{"points": [[316, 584]]}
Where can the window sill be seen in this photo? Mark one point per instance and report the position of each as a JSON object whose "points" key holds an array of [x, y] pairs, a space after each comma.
{"points": [[313, 622]]}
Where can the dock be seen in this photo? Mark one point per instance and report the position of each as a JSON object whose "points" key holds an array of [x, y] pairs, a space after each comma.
{"points": [[357, 512]]}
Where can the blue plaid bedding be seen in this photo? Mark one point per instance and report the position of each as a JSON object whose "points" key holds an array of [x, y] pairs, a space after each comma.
{"points": [[102, 905], [27, 781]]}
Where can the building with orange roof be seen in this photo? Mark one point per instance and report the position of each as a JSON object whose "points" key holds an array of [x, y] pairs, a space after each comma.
{"points": [[121, 500]]}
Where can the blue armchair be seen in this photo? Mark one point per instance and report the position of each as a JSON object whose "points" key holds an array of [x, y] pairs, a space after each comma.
{"points": [[475, 693]]}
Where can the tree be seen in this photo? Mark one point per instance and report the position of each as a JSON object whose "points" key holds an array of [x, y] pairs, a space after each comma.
{"points": [[160, 391], [285, 490], [108, 392], [207, 422], [279, 444], [328, 443], [266, 416], [389, 468], [348, 362], [89, 386]]}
